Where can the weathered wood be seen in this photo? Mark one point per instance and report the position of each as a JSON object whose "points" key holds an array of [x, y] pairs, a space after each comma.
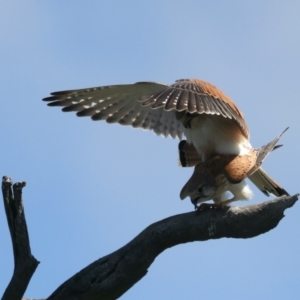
{"points": [[25, 263], [111, 276]]}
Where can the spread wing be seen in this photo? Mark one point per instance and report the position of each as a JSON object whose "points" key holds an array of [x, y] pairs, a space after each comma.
{"points": [[150, 105]]}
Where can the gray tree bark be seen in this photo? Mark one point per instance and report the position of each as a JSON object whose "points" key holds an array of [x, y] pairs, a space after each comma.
{"points": [[25, 263], [111, 276]]}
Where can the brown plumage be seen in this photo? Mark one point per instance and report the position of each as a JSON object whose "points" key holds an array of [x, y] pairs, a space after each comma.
{"points": [[144, 104], [221, 173], [208, 118]]}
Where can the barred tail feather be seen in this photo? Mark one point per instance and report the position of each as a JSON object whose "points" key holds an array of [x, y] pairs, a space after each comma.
{"points": [[266, 184], [188, 155]]}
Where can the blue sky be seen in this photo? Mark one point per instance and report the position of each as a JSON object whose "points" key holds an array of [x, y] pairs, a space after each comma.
{"points": [[92, 187]]}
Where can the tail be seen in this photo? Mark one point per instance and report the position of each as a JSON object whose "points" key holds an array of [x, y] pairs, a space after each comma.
{"points": [[266, 184], [188, 155], [260, 178], [265, 150]]}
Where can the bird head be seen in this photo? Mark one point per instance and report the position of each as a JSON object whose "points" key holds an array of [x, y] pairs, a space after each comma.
{"points": [[200, 187]]}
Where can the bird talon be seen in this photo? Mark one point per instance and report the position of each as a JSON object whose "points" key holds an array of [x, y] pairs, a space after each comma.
{"points": [[204, 206], [216, 157], [211, 206], [221, 205]]}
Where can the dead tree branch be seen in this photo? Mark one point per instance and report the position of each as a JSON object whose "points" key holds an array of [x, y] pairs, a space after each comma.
{"points": [[111, 276], [25, 263]]}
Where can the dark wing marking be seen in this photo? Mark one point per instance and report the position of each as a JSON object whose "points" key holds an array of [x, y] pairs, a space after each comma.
{"points": [[188, 155], [119, 104], [147, 104], [196, 96]]}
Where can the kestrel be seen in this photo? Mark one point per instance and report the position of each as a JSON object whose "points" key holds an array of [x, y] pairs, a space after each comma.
{"points": [[208, 118], [221, 173]]}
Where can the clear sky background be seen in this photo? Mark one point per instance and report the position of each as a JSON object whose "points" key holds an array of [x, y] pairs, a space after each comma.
{"points": [[92, 186]]}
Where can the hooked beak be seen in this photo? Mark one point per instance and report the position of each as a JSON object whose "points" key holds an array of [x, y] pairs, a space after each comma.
{"points": [[194, 201]]}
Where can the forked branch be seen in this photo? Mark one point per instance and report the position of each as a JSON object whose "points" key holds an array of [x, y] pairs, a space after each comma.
{"points": [[25, 263], [111, 276]]}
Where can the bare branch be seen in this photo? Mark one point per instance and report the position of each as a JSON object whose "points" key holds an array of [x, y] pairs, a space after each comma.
{"points": [[111, 276], [25, 263]]}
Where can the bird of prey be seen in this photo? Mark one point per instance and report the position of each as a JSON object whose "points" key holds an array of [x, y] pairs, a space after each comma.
{"points": [[221, 173], [201, 112]]}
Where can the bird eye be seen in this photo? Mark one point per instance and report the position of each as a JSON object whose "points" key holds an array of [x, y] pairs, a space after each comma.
{"points": [[200, 189]]}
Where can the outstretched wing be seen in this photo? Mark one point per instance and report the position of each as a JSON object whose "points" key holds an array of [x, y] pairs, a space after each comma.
{"points": [[150, 105]]}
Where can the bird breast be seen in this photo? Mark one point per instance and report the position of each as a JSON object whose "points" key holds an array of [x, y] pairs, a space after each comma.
{"points": [[212, 134]]}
